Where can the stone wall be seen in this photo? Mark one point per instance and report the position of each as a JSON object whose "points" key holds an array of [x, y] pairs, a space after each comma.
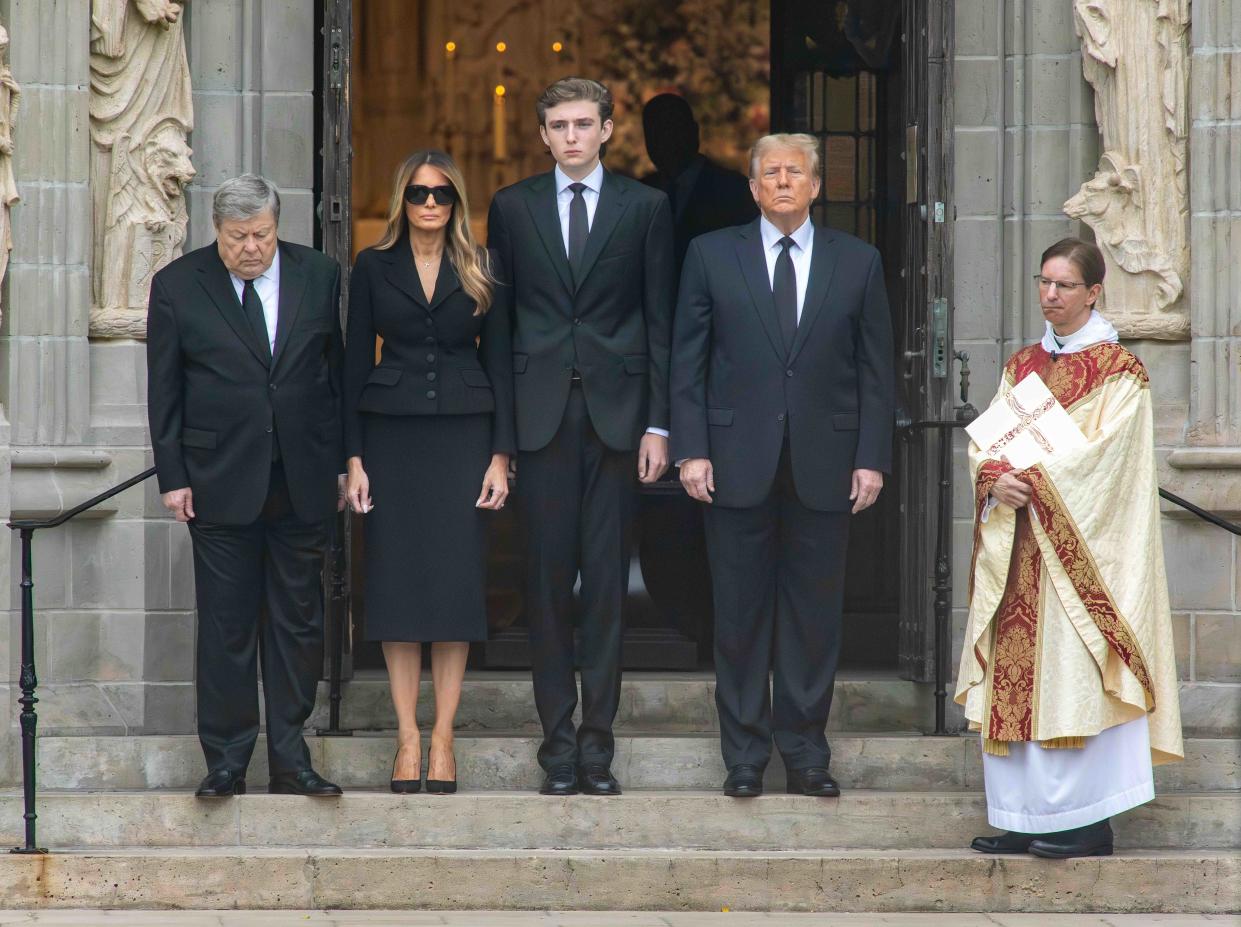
{"points": [[114, 592], [1025, 140]]}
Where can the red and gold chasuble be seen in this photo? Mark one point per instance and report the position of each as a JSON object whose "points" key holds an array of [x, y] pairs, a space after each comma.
{"points": [[1069, 630]]}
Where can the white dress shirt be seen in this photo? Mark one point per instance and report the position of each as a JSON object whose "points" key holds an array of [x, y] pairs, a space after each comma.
{"points": [[564, 196], [803, 246], [267, 284]]}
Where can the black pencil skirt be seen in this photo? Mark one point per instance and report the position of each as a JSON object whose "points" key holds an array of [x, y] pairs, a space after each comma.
{"points": [[425, 560]]}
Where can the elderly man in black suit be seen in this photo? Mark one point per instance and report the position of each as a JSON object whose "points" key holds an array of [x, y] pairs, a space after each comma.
{"points": [[589, 254], [244, 357], [782, 416]]}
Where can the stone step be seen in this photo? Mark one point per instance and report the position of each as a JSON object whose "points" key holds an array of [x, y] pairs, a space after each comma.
{"points": [[524, 820], [678, 880], [653, 761]]}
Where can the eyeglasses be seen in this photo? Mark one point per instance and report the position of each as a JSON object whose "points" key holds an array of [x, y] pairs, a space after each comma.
{"points": [[1063, 285], [416, 194]]}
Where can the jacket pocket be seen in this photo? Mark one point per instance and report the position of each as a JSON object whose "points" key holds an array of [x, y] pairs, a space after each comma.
{"points": [[384, 376], [519, 362], [636, 363], [845, 421], [196, 437], [475, 377], [722, 417]]}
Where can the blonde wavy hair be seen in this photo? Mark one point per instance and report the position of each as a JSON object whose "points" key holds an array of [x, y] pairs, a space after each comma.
{"points": [[471, 262]]}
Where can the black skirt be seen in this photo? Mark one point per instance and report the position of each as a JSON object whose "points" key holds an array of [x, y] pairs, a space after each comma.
{"points": [[425, 559]]}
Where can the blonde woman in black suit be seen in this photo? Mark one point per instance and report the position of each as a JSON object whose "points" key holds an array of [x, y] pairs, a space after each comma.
{"points": [[429, 431]]}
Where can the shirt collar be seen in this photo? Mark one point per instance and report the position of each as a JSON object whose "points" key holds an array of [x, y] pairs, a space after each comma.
{"points": [[801, 236], [272, 273], [593, 180], [1097, 330]]}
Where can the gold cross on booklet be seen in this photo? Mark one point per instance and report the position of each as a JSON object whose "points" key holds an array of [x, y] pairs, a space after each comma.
{"points": [[1026, 427]]}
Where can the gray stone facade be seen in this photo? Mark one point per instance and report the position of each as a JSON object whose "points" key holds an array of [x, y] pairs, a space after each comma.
{"points": [[115, 591]]}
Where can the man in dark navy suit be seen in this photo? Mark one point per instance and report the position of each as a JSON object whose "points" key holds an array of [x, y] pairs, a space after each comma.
{"points": [[589, 254], [782, 416], [243, 390]]}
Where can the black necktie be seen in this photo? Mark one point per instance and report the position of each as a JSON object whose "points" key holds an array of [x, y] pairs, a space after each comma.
{"points": [[579, 228], [784, 292], [253, 307]]}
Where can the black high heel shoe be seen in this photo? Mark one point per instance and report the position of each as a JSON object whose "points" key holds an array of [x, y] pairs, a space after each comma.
{"points": [[407, 786], [441, 786]]}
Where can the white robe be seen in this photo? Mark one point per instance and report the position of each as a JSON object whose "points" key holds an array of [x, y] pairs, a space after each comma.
{"points": [[1034, 790]]}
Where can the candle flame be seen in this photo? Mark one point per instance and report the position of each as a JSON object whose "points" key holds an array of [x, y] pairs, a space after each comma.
{"points": [[501, 47], [499, 90], [450, 47], [557, 47]]}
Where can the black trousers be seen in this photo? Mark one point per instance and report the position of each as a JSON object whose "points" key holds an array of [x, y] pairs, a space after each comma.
{"points": [[258, 590], [577, 500], [777, 573]]}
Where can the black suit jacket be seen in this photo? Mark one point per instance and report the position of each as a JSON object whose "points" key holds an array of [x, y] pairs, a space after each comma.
{"points": [[215, 404], [719, 198], [734, 387], [430, 364], [615, 327]]}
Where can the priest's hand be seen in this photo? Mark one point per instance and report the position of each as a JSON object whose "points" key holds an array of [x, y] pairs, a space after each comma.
{"points": [[865, 489], [1011, 490], [698, 478]]}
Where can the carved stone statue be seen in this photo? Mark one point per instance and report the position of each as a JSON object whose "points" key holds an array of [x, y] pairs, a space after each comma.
{"points": [[10, 93], [140, 117], [1135, 54]]}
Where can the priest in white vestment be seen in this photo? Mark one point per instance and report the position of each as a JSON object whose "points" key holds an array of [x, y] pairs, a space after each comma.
{"points": [[1067, 669]]}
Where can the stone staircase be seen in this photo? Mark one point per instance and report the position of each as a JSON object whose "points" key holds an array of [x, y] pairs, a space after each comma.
{"points": [[126, 832]]}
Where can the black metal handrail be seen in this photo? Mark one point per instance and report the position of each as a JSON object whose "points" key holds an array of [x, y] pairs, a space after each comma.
{"points": [[28, 680], [1201, 513]]}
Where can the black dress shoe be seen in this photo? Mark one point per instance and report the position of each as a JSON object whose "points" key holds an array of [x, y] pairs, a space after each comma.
{"points": [[303, 782], [1010, 841], [404, 786], [1091, 840], [814, 781], [560, 780], [220, 783], [597, 779], [744, 781]]}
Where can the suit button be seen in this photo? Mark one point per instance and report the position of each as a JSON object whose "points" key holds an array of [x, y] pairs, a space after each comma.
{"points": [[430, 394], [780, 417], [269, 429], [788, 373], [431, 375], [272, 387], [430, 358], [429, 321], [430, 340], [577, 321]]}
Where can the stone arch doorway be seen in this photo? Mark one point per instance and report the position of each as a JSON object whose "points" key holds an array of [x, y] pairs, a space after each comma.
{"points": [[866, 78]]}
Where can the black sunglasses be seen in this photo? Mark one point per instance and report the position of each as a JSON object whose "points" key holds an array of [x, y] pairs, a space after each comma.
{"points": [[417, 193]]}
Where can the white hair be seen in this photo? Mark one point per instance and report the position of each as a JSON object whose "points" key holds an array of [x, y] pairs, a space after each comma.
{"points": [[786, 141], [241, 198]]}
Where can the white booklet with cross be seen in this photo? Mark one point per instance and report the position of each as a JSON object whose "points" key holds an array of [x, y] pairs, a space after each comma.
{"points": [[1027, 427]]}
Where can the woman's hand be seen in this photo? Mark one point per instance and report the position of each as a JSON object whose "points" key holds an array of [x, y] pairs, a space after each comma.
{"points": [[1012, 490], [358, 487], [495, 484]]}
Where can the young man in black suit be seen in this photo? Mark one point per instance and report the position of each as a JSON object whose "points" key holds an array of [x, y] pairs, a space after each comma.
{"points": [[243, 390], [589, 254], [782, 416]]}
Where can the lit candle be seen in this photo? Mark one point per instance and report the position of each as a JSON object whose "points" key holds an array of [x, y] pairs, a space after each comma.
{"points": [[450, 85], [501, 130]]}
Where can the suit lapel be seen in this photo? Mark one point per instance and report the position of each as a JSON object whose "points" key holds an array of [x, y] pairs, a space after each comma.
{"points": [[541, 201], [607, 213], [445, 284], [292, 289], [215, 280], [754, 270], [402, 273], [822, 267]]}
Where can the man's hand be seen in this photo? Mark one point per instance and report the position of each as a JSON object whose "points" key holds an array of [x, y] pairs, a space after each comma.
{"points": [[652, 457], [698, 478], [1011, 490], [866, 486], [180, 502]]}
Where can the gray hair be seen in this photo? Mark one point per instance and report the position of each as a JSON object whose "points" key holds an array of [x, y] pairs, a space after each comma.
{"points": [[242, 198], [785, 141]]}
